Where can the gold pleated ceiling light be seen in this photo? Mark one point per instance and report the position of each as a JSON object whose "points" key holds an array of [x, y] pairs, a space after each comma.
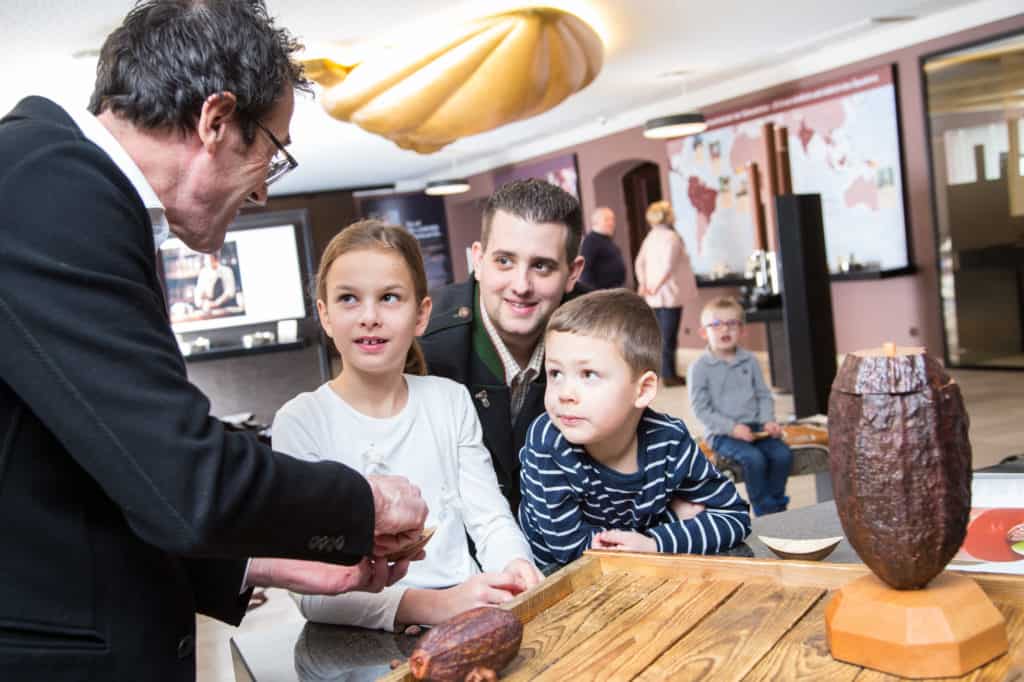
{"points": [[480, 76]]}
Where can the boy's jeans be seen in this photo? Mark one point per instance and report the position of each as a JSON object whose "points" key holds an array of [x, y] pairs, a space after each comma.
{"points": [[766, 464]]}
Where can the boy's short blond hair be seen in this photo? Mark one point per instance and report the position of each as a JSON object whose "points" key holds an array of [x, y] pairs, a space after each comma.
{"points": [[722, 303], [618, 315]]}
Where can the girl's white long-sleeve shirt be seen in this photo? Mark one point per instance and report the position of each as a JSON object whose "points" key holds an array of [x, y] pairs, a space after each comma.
{"points": [[436, 442]]}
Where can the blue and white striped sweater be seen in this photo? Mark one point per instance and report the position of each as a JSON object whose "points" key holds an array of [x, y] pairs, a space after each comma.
{"points": [[568, 496]]}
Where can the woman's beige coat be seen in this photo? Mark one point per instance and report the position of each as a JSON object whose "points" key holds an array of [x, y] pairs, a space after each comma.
{"points": [[663, 270]]}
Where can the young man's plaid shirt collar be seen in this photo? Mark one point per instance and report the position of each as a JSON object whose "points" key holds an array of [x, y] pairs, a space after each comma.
{"points": [[518, 378]]}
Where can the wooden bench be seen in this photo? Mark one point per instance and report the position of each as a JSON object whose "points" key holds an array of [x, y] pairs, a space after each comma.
{"points": [[809, 443]]}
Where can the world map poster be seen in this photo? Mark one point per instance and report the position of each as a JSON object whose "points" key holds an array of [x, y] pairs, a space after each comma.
{"points": [[843, 144]]}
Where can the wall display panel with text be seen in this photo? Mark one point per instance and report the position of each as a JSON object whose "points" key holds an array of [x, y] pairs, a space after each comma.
{"points": [[424, 217], [844, 144]]}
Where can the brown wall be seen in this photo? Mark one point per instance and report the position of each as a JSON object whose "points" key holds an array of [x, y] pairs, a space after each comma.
{"points": [[901, 309]]}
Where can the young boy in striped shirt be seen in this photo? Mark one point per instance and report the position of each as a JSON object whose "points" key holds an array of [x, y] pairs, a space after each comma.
{"points": [[602, 469]]}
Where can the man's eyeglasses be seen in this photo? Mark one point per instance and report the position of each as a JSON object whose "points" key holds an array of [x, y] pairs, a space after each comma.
{"points": [[724, 324], [282, 162]]}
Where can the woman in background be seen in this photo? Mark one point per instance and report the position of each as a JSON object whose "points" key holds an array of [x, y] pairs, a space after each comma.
{"points": [[665, 280]]}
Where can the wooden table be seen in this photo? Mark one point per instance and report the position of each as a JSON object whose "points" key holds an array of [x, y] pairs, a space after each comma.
{"points": [[752, 594], [630, 616]]}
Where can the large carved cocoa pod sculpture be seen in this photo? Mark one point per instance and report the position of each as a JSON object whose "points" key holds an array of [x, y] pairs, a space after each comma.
{"points": [[901, 463]]}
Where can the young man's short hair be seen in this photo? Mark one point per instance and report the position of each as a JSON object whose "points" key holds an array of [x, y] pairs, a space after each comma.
{"points": [[620, 316], [722, 303], [537, 201]]}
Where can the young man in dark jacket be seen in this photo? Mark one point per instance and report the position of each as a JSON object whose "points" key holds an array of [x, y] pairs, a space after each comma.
{"points": [[487, 332]]}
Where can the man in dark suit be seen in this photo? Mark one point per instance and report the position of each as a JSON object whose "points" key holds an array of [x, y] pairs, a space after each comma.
{"points": [[125, 507], [487, 333], [605, 268]]}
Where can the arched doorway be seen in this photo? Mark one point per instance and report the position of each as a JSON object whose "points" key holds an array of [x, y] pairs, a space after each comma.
{"points": [[627, 187], [641, 187]]}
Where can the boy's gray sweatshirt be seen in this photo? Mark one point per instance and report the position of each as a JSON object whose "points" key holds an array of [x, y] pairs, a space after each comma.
{"points": [[724, 393]]}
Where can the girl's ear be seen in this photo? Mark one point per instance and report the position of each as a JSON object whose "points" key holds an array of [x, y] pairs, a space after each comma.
{"points": [[646, 389], [423, 315], [325, 320]]}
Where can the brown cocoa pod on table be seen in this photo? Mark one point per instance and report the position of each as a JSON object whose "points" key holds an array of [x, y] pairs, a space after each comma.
{"points": [[901, 463], [482, 638]]}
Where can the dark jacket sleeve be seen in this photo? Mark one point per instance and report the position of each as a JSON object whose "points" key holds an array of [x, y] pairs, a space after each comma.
{"points": [[590, 261], [87, 347], [212, 580]]}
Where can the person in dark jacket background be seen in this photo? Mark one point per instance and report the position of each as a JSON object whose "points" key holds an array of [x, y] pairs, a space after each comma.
{"points": [[126, 507], [487, 332], [604, 267]]}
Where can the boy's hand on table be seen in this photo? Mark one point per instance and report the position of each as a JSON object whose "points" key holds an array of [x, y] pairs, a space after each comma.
{"points": [[773, 429], [743, 432], [526, 574], [625, 540], [684, 509]]}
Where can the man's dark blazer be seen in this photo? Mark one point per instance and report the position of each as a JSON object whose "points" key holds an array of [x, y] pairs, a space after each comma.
{"points": [[124, 507], [448, 346]]}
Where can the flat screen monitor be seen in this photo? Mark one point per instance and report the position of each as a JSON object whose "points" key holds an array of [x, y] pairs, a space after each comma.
{"points": [[255, 280]]}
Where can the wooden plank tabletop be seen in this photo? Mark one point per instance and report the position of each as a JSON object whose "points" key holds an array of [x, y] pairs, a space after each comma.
{"points": [[631, 616]]}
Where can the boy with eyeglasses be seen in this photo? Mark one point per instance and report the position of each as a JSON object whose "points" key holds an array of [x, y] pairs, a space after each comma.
{"points": [[729, 396]]}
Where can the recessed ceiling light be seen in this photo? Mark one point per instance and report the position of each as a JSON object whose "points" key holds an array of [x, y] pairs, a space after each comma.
{"points": [[437, 188], [893, 19], [677, 125], [675, 73]]}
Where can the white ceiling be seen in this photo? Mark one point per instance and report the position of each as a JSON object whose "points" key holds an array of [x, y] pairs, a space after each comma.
{"points": [[721, 47]]}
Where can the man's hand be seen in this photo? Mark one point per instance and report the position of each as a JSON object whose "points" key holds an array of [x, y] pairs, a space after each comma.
{"points": [[773, 429], [391, 545], [684, 509], [526, 574], [313, 577], [626, 540], [398, 506], [743, 432]]}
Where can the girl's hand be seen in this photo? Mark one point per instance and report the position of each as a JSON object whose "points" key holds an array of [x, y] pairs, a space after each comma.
{"points": [[526, 574], [684, 509], [625, 540], [484, 589]]}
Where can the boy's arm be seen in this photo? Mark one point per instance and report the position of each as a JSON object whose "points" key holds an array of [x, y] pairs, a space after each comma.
{"points": [[549, 499], [723, 524], [699, 388], [765, 401]]}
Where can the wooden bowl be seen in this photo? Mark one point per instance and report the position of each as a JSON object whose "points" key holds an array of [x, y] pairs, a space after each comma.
{"points": [[805, 550]]}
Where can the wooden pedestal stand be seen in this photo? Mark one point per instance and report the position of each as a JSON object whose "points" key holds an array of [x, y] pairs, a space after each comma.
{"points": [[945, 630]]}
